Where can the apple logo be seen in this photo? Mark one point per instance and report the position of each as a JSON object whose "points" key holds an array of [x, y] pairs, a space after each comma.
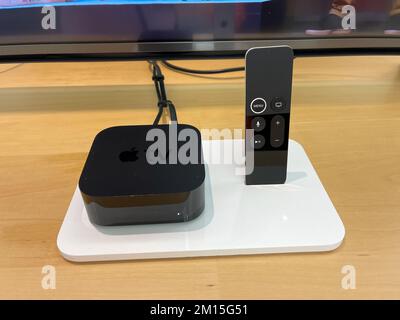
{"points": [[129, 155]]}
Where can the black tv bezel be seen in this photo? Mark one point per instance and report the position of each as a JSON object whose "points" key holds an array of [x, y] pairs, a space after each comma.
{"points": [[192, 49]]}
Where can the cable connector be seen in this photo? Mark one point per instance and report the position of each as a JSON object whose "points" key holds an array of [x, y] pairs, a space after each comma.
{"points": [[164, 103], [158, 77]]}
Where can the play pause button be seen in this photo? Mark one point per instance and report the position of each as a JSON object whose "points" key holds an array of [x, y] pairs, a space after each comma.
{"points": [[259, 141]]}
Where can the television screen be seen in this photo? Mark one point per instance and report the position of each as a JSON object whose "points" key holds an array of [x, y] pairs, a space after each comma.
{"points": [[129, 28]]}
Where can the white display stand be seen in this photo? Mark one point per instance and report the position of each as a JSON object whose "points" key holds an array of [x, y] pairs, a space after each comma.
{"points": [[237, 219]]}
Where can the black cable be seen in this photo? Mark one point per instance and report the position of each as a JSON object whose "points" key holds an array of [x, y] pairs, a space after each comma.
{"points": [[172, 112], [158, 117], [163, 101], [194, 71]]}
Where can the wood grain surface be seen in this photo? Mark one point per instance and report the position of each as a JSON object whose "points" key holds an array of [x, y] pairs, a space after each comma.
{"points": [[346, 113]]}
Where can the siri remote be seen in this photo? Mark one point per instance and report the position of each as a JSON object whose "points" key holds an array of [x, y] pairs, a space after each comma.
{"points": [[269, 72]]}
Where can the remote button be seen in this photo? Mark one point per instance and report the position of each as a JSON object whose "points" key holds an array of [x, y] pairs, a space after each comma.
{"points": [[277, 131], [259, 141], [278, 104], [258, 105], [258, 124]]}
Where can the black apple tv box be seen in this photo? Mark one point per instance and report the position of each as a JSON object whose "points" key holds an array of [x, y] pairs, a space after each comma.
{"points": [[144, 174]]}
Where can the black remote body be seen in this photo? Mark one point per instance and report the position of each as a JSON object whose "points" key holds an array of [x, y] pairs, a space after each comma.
{"points": [[269, 72]]}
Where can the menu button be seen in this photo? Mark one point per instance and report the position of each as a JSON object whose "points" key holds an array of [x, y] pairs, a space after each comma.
{"points": [[258, 105]]}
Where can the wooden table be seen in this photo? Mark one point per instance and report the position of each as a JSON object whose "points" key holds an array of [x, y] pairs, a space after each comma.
{"points": [[346, 113]]}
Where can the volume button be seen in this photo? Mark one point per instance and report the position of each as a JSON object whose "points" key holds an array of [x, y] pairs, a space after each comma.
{"points": [[277, 131]]}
